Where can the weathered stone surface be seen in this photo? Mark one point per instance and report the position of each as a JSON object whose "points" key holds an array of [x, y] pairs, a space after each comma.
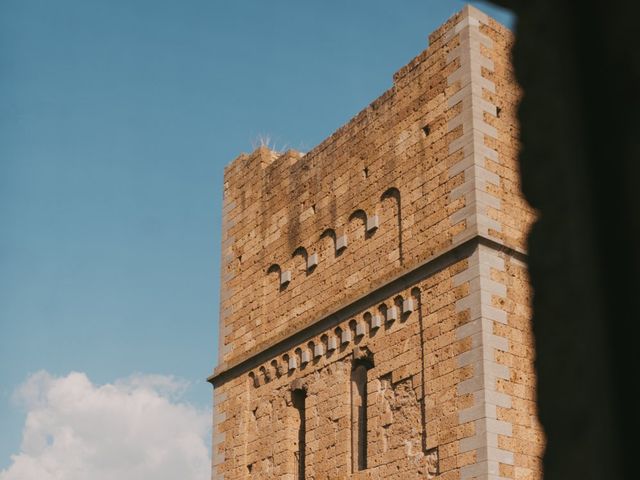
{"points": [[414, 211]]}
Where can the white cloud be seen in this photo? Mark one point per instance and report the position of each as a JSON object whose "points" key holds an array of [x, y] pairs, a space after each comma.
{"points": [[133, 429]]}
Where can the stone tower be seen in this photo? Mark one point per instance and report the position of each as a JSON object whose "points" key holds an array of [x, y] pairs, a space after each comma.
{"points": [[375, 317]]}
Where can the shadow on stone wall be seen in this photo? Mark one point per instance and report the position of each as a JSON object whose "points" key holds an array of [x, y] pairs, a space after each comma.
{"points": [[579, 66]]}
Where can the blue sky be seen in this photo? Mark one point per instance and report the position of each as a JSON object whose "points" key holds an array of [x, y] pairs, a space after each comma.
{"points": [[117, 118]]}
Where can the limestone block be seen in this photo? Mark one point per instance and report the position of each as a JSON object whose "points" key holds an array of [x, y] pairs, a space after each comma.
{"points": [[293, 363], [341, 243], [407, 306], [306, 357], [373, 222], [285, 278], [312, 261]]}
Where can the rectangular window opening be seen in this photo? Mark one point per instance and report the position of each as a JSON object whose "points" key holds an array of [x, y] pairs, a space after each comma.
{"points": [[299, 398], [359, 418]]}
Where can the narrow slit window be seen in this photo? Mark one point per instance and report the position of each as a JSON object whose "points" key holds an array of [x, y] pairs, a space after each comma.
{"points": [[359, 417], [299, 398]]}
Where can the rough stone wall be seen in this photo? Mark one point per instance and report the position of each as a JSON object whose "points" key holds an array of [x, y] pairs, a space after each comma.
{"points": [[514, 213], [527, 440], [438, 190], [450, 393], [397, 241], [257, 421]]}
